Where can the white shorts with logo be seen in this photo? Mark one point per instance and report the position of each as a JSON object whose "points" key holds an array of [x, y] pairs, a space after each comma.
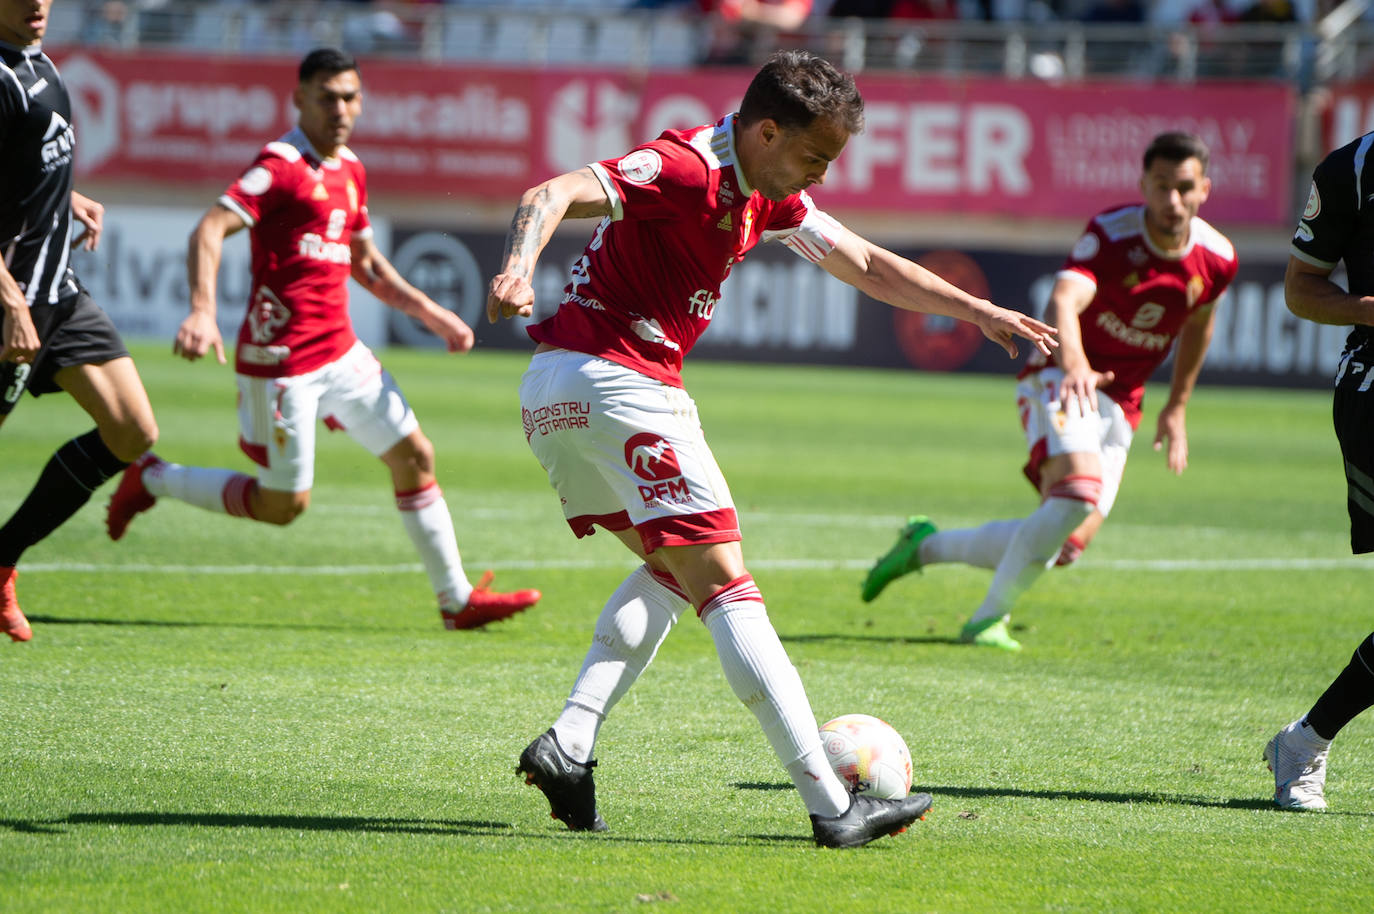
{"points": [[1051, 430], [623, 450], [354, 393]]}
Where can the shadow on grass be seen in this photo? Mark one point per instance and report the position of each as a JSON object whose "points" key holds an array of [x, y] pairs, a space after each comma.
{"points": [[1090, 796], [170, 623], [868, 639], [361, 824], [238, 820]]}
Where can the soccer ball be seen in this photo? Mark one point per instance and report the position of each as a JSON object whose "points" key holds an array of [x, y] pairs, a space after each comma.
{"points": [[868, 755]]}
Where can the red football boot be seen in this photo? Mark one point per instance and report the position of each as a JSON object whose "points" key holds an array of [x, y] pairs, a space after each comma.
{"points": [[486, 605], [12, 621], [131, 497]]}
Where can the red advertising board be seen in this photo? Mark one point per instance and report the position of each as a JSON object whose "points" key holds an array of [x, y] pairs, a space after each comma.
{"points": [[984, 146]]}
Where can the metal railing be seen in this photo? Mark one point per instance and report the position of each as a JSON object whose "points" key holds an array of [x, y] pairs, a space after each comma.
{"points": [[578, 34]]}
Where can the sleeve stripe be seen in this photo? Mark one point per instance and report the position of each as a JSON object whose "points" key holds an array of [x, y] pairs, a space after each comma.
{"points": [[232, 205]]}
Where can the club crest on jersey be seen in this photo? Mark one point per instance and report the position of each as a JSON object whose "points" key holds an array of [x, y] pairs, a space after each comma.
{"points": [[1194, 290], [1138, 256], [266, 316], [653, 460], [641, 166]]}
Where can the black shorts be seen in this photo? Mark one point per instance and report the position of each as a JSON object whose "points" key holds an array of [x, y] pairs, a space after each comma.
{"points": [[1352, 413], [75, 331]]}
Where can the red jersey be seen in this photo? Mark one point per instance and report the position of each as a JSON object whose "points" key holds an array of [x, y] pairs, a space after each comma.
{"points": [[1142, 295], [303, 213], [647, 283]]}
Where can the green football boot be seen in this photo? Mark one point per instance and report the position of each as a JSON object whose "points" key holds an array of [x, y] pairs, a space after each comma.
{"points": [[989, 633], [903, 558]]}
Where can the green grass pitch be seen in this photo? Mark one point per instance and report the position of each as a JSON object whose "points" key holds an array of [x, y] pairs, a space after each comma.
{"points": [[216, 715]]}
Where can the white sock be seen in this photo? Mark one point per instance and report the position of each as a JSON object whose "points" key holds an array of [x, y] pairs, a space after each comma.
{"points": [[634, 622], [762, 676], [981, 547], [221, 491], [1305, 732], [1033, 549], [425, 515]]}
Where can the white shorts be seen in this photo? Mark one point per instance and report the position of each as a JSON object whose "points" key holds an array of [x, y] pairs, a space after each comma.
{"points": [[623, 450], [353, 393], [1052, 430]]}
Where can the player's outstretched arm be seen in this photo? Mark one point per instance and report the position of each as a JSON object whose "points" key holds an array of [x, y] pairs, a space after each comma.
{"points": [[887, 277], [575, 195], [376, 274], [199, 332], [91, 215]]}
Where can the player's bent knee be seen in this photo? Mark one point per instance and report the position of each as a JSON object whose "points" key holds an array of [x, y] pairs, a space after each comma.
{"points": [[279, 510], [1084, 491]]}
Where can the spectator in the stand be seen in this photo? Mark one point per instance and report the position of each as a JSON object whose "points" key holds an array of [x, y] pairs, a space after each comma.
{"points": [[1115, 11], [742, 30], [1270, 11], [894, 9]]}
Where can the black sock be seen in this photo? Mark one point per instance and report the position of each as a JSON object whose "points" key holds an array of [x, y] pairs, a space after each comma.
{"points": [[1349, 694], [74, 472]]}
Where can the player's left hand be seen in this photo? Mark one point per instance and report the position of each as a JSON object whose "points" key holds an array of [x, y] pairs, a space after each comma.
{"points": [[92, 216], [1001, 325], [449, 327], [1170, 431]]}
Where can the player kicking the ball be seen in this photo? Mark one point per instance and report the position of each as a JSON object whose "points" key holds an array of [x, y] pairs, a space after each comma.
{"points": [[1140, 277], [606, 414], [304, 200]]}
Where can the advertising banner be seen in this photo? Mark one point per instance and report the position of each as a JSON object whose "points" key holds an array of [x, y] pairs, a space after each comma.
{"points": [[931, 146]]}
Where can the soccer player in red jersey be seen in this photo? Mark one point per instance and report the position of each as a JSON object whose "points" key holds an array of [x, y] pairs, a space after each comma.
{"points": [[606, 414], [304, 199], [1140, 278]]}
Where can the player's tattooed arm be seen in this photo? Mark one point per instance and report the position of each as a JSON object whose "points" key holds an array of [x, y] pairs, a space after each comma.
{"points": [[577, 194]]}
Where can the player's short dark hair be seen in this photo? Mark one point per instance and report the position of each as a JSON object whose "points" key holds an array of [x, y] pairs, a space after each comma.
{"points": [[327, 61], [795, 87], [1177, 146]]}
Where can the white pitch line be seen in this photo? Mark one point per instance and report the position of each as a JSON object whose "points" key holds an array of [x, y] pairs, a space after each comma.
{"points": [[1159, 565]]}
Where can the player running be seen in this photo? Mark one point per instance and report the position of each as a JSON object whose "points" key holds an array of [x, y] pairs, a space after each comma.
{"points": [[1140, 277], [606, 414], [304, 200], [55, 337]]}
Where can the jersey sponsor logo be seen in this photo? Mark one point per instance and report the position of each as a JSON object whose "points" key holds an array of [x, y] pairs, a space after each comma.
{"points": [[1314, 203], [319, 193], [255, 181], [1086, 248], [58, 143], [652, 459], [1114, 327], [702, 304], [556, 417], [641, 166], [314, 247]]}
